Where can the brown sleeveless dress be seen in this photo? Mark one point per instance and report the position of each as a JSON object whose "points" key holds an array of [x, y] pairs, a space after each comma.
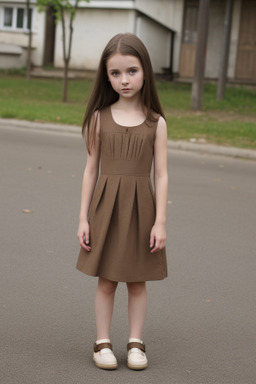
{"points": [[123, 208]]}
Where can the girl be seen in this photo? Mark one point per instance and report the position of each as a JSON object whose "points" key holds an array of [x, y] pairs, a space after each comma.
{"points": [[123, 236]]}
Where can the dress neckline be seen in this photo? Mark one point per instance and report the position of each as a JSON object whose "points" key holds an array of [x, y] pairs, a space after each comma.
{"points": [[125, 126]]}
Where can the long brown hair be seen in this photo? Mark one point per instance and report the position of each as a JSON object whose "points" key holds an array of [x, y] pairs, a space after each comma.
{"points": [[103, 94]]}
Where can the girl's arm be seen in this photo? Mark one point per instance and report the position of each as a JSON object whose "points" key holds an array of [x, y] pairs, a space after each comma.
{"points": [[88, 184], [158, 232]]}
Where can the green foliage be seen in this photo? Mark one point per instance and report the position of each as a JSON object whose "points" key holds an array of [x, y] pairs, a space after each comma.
{"points": [[59, 6]]}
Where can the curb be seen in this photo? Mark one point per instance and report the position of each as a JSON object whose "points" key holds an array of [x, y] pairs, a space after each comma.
{"points": [[179, 145], [213, 149], [35, 125]]}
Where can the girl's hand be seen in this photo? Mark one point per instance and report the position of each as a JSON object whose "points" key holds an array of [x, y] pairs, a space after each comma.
{"points": [[157, 237], [83, 234]]}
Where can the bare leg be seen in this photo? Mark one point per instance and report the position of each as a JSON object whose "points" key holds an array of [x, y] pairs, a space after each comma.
{"points": [[104, 304], [137, 306]]}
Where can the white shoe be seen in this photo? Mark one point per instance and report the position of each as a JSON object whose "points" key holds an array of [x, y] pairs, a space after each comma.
{"points": [[136, 354], [103, 356]]}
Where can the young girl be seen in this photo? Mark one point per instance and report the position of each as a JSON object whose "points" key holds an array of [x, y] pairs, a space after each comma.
{"points": [[123, 236]]}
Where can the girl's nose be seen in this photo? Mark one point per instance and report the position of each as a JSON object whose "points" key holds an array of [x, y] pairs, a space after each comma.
{"points": [[124, 79]]}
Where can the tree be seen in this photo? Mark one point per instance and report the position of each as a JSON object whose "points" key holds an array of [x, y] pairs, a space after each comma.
{"points": [[29, 27], [64, 9], [202, 33], [225, 50]]}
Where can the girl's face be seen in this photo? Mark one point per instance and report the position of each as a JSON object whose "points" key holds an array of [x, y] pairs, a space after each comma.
{"points": [[125, 74]]}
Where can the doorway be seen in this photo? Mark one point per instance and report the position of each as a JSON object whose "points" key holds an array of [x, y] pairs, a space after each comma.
{"points": [[189, 38], [49, 37], [246, 56]]}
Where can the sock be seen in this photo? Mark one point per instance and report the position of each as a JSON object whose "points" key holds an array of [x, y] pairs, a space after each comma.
{"points": [[133, 339], [102, 341]]}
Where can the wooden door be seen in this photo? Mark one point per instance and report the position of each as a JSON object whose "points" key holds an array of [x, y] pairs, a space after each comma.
{"points": [[49, 37], [189, 39], [246, 57]]}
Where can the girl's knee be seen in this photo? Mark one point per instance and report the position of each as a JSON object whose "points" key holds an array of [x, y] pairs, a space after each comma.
{"points": [[136, 288], [106, 286]]}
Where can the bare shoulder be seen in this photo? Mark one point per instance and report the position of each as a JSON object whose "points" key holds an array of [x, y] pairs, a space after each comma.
{"points": [[161, 130], [96, 121]]}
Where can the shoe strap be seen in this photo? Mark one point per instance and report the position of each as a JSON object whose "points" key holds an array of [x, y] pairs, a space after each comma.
{"points": [[133, 344], [99, 347]]}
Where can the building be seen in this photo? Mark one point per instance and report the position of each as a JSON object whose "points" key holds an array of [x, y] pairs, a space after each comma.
{"points": [[14, 22], [167, 27]]}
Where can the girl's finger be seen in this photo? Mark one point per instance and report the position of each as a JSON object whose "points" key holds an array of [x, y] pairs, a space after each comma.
{"points": [[151, 240], [86, 241], [87, 238], [80, 238], [82, 242], [156, 247], [159, 244], [84, 245]]}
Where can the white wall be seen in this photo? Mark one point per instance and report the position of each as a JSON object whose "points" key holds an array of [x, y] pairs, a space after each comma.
{"points": [[38, 38], [157, 41], [11, 56], [169, 13], [93, 28], [165, 11]]}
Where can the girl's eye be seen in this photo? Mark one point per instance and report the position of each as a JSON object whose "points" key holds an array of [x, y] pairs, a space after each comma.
{"points": [[115, 73], [133, 71]]}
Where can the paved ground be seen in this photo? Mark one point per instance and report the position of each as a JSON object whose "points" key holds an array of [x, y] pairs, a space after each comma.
{"points": [[200, 327]]}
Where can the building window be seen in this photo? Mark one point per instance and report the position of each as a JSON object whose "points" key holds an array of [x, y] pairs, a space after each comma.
{"points": [[17, 19], [20, 18], [8, 17]]}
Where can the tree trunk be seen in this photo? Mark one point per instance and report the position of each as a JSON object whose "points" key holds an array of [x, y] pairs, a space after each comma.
{"points": [[65, 75], [65, 82], [29, 43], [202, 33], [225, 51], [67, 51]]}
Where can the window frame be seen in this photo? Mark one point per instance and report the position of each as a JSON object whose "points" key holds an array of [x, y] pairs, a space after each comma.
{"points": [[13, 27]]}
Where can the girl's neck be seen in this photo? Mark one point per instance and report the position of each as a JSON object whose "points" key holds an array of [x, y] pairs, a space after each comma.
{"points": [[128, 113], [134, 104]]}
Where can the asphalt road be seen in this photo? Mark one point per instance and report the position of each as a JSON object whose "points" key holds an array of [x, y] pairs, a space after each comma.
{"points": [[200, 327]]}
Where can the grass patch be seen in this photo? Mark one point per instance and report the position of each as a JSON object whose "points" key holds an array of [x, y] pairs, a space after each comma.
{"points": [[229, 122], [231, 133], [40, 99]]}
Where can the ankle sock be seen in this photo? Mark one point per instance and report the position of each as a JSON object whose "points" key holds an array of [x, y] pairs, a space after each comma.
{"points": [[102, 341], [134, 340]]}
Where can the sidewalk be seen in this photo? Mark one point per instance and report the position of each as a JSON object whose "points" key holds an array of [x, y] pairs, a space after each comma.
{"points": [[58, 73], [183, 145]]}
